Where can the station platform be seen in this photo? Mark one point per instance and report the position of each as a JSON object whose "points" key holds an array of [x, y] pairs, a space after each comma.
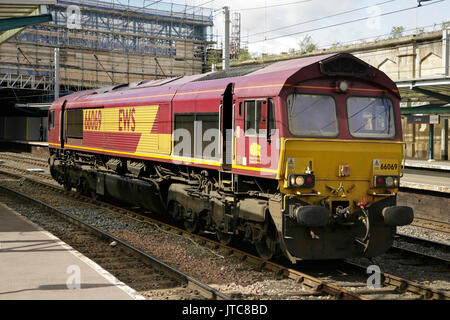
{"points": [[38, 148], [430, 181], [427, 175], [425, 164], [35, 265]]}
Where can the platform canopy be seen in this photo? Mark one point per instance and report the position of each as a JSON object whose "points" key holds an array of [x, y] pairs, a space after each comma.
{"points": [[432, 95], [433, 90], [17, 14]]}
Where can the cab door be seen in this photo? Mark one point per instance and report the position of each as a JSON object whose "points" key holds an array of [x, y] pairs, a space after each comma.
{"points": [[254, 123], [226, 115], [62, 124]]}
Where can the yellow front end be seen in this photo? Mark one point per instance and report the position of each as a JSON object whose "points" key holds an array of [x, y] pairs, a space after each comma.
{"points": [[344, 170], [342, 214]]}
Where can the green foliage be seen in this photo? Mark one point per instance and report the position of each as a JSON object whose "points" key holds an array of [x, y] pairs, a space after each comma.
{"points": [[397, 32], [244, 55], [307, 45], [213, 57], [336, 45]]}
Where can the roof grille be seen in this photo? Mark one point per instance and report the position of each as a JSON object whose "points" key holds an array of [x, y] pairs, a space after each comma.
{"points": [[344, 65]]}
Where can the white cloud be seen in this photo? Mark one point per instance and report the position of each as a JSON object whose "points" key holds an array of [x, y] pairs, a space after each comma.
{"points": [[262, 20]]}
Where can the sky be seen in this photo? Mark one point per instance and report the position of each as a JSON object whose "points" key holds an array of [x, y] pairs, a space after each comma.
{"points": [[275, 26], [376, 18]]}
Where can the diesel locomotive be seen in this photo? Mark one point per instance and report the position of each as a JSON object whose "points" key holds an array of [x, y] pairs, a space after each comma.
{"points": [[300, 157]]}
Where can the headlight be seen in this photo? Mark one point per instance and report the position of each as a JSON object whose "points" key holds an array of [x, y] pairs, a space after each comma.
{"points": [[389, 181], [301, 180]]}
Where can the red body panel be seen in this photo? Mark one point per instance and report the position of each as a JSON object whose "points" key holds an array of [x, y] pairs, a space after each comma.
{"points": [[186, 96]]}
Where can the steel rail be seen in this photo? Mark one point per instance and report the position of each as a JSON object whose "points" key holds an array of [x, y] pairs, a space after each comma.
{"points": [[423, 242], [433, 225], [300, 277], [204, 289], [404, 285]]}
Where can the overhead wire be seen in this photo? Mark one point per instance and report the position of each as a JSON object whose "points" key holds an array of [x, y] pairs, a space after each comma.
{"points": [[321, 18], [343, 23], [274, 5]]}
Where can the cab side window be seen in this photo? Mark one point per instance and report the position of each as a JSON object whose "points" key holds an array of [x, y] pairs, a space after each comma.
{"points": [[51, 119], [271, 120], [255, 117], [75, 123]]}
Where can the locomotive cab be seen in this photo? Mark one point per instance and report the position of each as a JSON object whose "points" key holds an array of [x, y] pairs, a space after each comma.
{"points": [[341, 163]]}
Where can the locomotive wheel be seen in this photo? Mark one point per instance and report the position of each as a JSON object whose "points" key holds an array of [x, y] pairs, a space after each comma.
{"points": [[93, 195], [67, 186], [81, 188], [266, 247], [224, 238], [191, 225]]}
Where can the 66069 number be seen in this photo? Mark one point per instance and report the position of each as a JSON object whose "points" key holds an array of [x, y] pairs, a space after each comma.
{"points": [[389, 166]]}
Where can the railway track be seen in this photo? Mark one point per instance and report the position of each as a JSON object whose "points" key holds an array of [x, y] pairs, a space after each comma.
{"points": [[441, 227], [151, 277], [432, 225], [325, 284], [404, 244]]}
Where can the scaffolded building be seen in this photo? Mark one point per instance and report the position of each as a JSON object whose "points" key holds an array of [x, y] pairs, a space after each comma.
{"points": [[104, 43]]}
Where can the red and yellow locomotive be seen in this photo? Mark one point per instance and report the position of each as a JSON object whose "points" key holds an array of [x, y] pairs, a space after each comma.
{"points": [[300, 156]]}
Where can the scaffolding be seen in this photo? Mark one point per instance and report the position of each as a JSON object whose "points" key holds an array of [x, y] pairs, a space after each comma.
{"points": [[235, 44], [104, 43]]}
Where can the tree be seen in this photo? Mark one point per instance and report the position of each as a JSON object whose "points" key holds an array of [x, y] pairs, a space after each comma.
{"points": [[307, 45], [336, 45], [244, 55], [213, 57], [397, 32]]}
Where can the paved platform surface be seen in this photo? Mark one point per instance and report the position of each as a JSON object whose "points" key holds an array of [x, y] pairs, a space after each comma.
{"points": [[425, 164], [425, 181], [34, 264], [427, 175]]}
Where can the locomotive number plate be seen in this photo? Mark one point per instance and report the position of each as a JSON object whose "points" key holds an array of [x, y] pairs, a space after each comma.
{"points": [[383, 165]]}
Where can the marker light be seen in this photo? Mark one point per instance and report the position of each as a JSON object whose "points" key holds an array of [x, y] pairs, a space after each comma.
{"points": [[386, 181], [343, 86]]}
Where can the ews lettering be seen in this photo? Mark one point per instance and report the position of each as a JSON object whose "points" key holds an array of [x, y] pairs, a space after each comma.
{"points": [[127, 121], [92, 120]]}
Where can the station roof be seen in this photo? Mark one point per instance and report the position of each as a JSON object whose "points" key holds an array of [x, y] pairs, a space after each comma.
{"points": [[431, 90], [15, 15]]}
